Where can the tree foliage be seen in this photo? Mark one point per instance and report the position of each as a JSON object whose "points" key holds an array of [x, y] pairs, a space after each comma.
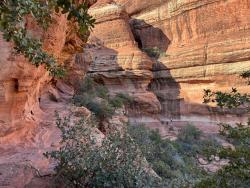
{"points": [[126, 159], [237, 172], [116, 162], [12, 24], [174, 161]]}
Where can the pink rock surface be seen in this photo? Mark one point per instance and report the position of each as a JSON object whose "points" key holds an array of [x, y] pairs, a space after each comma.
{"points": [[203, 44], [29, 97]]}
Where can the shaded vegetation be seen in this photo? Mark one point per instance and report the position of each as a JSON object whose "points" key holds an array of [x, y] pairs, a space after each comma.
{"points": [[174, 161], [97, 99], [117, 162], [154, 52], [120, 160], [127, 158]]}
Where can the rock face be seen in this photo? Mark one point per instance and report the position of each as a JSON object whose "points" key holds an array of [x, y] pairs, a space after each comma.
{"points": [[21, 84], [117, 61], [29, 97], [201, 43]]}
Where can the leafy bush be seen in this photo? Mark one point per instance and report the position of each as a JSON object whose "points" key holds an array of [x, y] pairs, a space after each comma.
{"points": [[174, 161], [101, 110], [88, 86], [237, 172], [117, 162], [230, 100], [120, 160], [191, 143], [120, 99], [189, 133]]}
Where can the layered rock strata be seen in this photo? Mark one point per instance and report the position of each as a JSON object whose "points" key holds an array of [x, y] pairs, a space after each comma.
{"points": [[117, 61], [208, 47], [202, 44]]}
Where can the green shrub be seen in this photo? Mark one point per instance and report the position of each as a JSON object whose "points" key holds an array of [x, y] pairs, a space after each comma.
{"points": [[82, 100], [101, 110], [87, 86], [102, 92], [117, 162], [174, 161], [191, 143], [120, 99], [189, 133], [237, 172], [96, 98]]}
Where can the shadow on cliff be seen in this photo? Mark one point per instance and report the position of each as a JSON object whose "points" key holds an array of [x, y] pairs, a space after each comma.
{"points": [[155, 43], [108, 71], [163, 85], [167, 90], [148, 36]]}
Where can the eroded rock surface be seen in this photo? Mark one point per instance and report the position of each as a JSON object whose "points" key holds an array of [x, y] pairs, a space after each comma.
{"points": [[202, 44], [118, 62], [29, 97]]}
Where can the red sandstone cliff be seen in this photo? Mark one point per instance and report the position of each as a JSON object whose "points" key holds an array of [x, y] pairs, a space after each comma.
{"points": [[205, 44], [29, 97]]}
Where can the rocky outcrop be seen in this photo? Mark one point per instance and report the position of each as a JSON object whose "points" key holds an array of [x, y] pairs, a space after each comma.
{"points": [[117, 61], [201, 43], [29, 97], [22, 85]]}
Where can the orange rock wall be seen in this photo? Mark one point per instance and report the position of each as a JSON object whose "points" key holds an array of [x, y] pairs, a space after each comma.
{"points": [[209, 46], [117, 60], [204, 44], [29, 97]]}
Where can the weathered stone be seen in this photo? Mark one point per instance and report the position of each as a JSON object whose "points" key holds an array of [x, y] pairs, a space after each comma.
{"points": [[117, 61], [29, 97], [203, 44]]}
